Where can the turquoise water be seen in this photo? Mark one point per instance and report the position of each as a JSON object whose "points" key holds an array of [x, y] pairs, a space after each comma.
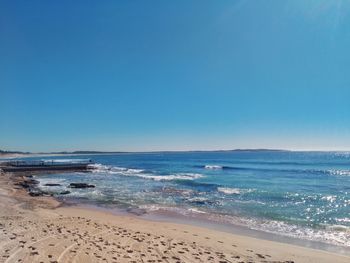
{"points": [[299, 194]]}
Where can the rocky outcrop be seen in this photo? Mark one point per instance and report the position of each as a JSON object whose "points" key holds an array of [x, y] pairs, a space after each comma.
{"points": [[27, 183], [37, 192], [52, 185], [65, 193], [81, 185]]}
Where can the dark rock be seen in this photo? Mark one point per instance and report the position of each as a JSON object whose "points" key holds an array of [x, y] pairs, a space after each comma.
{"points": [[52, 185], [38, 193], [23, 184], [27, 183], [32, 181], [65, 193], [81, 185]]}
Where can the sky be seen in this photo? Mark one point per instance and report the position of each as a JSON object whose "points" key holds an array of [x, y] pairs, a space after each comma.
{"points": [[155, 75]]}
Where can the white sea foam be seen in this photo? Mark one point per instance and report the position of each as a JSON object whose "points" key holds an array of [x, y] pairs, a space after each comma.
{"points": [[331, 234], [87, 193], [99, 168], [339, 228], [338, 235], [179, 210], [198, 199], [340, 172], [150, 208], [234, 191], [229, 191], [343, 220], [197, 211], [213, 167], [180, 176]]}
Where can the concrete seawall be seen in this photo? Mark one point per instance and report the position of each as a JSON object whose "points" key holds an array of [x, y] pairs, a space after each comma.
{"points": [[67, 167]]}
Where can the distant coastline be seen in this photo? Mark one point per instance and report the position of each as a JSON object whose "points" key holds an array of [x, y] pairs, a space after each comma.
{"points": [[79, 152]]}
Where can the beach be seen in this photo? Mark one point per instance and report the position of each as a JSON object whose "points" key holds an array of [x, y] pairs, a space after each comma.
{"points": [[298, 196], [40, 229]]}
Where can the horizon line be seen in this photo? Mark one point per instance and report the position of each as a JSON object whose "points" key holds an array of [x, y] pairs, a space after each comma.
{"points": [[167, 151]]}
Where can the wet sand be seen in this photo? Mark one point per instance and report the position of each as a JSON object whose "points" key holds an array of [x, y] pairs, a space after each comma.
{"points": [[39, 229]]}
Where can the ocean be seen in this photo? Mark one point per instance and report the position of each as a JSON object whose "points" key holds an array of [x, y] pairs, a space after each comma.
{"points": [[304, 195]]}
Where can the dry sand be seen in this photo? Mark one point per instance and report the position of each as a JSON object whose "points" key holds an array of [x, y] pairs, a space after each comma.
{"points": [[37, 229]]}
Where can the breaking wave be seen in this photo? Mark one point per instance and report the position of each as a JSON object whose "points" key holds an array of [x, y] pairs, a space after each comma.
{"points": [[229, 191], [180, 176], [339, 172], [100, 168], [213, 167], [336, 172], [233, 191], [122, 171]]}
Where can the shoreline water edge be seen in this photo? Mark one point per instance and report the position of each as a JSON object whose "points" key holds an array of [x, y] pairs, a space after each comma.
{"points": [[40, 228]]}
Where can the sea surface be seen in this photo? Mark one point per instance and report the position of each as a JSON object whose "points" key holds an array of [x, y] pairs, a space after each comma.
{"points": [[304, 195]]}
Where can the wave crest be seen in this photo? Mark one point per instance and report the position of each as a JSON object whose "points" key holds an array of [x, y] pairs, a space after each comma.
{"points": [[100, 168], [229, 191], [234, 191], [213, 167], [180, 176], [339, 172]]}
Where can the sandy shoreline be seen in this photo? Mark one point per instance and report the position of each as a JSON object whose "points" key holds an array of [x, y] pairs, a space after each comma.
{"points": [[38, 229]]}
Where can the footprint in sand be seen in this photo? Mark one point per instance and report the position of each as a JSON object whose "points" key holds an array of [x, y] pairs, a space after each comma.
{"points": [[259, 255]]}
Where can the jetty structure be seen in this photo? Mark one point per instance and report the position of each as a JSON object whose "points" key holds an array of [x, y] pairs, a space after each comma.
{"points": [[46, 165]]}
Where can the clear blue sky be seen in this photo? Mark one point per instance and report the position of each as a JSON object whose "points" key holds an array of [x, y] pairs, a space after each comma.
{"points": [[174, 75]]}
